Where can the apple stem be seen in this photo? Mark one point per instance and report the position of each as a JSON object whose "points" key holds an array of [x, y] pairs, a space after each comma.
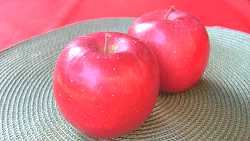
{"points": [[107, 39], [172, 9]]}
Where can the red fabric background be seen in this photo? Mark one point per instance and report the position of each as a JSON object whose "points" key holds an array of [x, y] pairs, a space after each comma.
{"points": [[23, 19]]}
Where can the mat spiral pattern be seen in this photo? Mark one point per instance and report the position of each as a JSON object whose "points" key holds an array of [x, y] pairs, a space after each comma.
{"points": [[216, 108]]}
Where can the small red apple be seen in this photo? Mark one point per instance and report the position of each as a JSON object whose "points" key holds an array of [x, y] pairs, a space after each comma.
{"points": [[181, 45], [106, 86]]}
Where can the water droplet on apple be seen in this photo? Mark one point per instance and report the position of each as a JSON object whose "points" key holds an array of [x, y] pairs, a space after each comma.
{"points": [[113, 68], [117, 57]]}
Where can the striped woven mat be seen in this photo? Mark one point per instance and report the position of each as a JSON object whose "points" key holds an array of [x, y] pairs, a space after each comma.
{"points": [[216, 108]]}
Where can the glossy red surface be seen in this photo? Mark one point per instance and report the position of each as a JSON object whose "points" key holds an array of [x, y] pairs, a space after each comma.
{"points": [[106, 95], [180, 43], [23, 19]]}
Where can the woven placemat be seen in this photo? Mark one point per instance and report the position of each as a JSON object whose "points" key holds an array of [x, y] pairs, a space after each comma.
{"points": [[216, 108]]}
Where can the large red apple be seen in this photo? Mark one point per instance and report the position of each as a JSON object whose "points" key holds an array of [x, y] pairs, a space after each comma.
{"points": [[106, 86], [181, 45]]}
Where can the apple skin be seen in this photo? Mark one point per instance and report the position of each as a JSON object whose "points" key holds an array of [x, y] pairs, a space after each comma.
{"points": [[181, 45], [106, 95]]}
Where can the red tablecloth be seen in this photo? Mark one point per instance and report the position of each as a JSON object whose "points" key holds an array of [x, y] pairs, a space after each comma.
{"points": [[23, 19]]}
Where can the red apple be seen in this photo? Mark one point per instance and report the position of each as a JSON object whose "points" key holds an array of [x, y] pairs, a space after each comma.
{"points": [[181, 45], [106, 86]]}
